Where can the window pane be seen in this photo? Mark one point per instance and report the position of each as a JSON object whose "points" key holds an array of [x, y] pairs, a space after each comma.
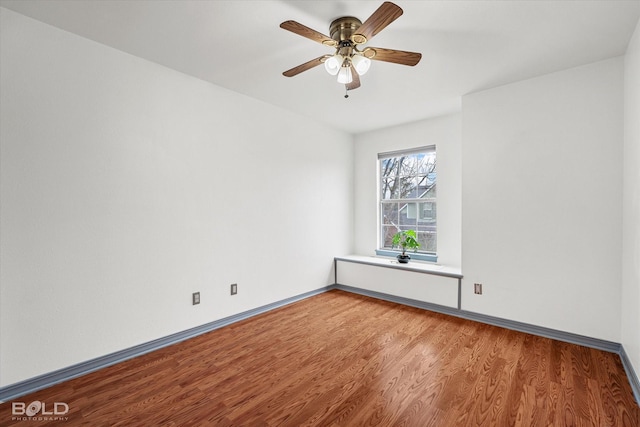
{"points": [[388, 184], [427, 163], [408, 215], [406, 187], [387, 235], [410, 165], [385, 165], [427, 213], [421, 187], [428, 191], [427, 240], [427, 176], [391, 167], [389, 214]]}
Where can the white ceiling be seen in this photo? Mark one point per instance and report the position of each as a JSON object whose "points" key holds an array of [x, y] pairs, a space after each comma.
{"points": [[466, 46]]}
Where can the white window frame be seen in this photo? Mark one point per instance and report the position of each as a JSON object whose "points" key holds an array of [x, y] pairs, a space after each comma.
{"points": [[386, 251]]}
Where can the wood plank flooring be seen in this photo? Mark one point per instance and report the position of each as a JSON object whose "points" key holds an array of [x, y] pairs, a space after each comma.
{"points": [[340, 359]]}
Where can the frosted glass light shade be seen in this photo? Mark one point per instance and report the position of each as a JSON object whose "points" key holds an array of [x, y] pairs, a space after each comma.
{"points": [[344, 75], [333, 64], [361, 64]]}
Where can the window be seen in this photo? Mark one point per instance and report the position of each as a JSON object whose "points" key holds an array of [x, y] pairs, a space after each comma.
{"points": [[407, 191]]}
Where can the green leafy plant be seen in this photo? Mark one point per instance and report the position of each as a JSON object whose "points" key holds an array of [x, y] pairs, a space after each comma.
{"points": [[406, 239]]}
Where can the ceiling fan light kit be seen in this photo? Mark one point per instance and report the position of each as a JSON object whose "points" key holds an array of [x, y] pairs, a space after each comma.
{"points": [[345, 76], [361, 63], [333, 63], [348, 62]]}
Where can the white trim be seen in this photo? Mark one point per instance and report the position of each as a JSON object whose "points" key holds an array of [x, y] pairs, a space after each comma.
{"points": [[390, 154], [46, 380]]}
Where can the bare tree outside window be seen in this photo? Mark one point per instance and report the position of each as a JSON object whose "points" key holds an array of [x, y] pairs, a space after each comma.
{"points": [[408, 197]]}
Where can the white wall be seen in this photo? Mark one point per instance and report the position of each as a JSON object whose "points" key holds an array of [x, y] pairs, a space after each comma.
{"points": [[631, 205], [444, 132], [382, 276], [126, 186], [541, 200]]}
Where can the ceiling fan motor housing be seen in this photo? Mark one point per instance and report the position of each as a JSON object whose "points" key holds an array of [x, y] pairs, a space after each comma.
{"points": [[342, 29]]}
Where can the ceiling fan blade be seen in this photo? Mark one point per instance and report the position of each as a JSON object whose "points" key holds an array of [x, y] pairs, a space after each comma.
{"points": [[304, 31], [383, 16], [392, 55], [355, 83], [304, 67]]}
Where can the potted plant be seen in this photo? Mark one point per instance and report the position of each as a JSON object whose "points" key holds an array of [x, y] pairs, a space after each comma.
{"points": [[407, 240]]}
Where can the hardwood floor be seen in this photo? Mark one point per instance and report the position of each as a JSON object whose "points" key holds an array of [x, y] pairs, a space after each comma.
{"points": [[340, 359]]}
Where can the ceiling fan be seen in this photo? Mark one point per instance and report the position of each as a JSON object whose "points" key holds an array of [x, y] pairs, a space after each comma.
{"points": [[349, 62]]}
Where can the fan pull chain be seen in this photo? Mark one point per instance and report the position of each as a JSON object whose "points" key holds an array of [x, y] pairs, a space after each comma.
{"points": [[346, 94]]}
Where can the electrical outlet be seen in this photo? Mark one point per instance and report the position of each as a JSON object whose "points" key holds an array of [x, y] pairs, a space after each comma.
{"points": [[196, 298], [234, 289], [477, 288]]}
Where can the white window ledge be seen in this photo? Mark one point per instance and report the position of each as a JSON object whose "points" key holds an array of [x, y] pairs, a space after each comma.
{"points": [[419, 267]]}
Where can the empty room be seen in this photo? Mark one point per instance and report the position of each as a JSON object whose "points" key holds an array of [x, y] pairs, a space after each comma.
{"points": [[319, 213]]}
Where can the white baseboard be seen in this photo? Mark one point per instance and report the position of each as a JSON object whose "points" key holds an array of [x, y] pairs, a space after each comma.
{"points": [[46, 380]]}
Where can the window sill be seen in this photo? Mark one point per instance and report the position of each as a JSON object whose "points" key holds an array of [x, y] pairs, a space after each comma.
{"points": [[418, 266], [413, 255]]}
